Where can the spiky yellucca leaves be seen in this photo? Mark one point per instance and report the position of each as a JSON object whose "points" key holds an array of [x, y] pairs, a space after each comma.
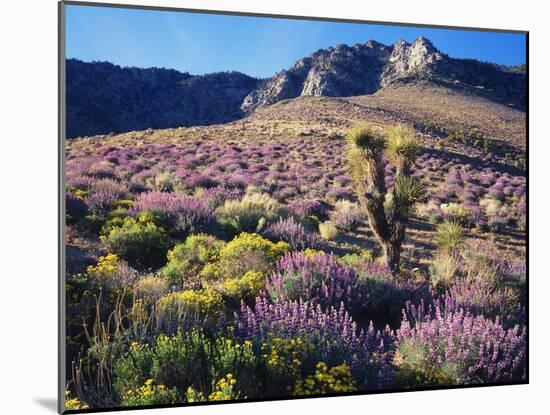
{"points": [[363, 145], [403, 145], [408, 191]]}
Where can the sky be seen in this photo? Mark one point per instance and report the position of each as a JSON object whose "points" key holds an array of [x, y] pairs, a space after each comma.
{"points": [[260, 47]]}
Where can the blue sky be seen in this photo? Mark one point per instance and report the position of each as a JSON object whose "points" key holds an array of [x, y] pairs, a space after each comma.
{"points": [[202, 43]]}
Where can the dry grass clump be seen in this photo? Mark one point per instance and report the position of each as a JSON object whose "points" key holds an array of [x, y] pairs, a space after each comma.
{"points": [[328, 231]]}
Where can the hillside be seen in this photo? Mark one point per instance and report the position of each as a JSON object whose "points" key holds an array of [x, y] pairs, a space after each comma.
{"points": [[444, 110], [294, 150], [104, 98], [362, 69]]}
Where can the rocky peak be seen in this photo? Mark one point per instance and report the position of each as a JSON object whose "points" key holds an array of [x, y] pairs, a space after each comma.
{"points": [[365, 68], [411, 60]]}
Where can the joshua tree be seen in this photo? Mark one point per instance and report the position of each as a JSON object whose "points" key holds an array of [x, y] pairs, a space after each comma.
{"points": [[388, 211]]}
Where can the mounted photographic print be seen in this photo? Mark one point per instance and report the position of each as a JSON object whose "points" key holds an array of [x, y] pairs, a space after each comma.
{"points": [[260, 207]]}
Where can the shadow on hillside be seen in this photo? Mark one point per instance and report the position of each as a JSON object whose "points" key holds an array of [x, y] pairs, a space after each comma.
{"points": [[476, 162]]}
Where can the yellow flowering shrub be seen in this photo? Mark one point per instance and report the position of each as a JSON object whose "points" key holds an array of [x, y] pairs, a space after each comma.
{"points": [[211, 274], [74, 403], [202, 306], [414, 369], [250, 252], [312, 252], [239, 358], [150, 394], [81, 194], [248, 286], [337, 379], [112, 273], [191, 395], [106, 266], [187, 259], [123, 204], [141, 242], [283, 359], [223, 390], [139, 315], [119, 218]]}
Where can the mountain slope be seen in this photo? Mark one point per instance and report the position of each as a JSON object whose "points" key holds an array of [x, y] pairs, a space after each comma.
{"points": [[104, 98], [345, 71], [447, 110]]}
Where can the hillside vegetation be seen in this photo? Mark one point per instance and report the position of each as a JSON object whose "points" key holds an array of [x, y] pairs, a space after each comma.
{"points": [[317, 245]]}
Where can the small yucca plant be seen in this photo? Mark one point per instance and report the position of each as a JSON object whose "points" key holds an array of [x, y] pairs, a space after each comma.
{"points": [[449, 237]]}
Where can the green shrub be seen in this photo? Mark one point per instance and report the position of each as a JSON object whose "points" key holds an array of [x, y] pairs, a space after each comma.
{"points": [[112, 223], [414, 368], [249, 286], [141, 243], [357, 259], [250, 252], [187, 259], [337, 379], [457, 212], [175, 361], [236, 359], [188, 360], [189, 308], [444, 270], [328, 231], [250, 214], [91, 224], [150, 394]]}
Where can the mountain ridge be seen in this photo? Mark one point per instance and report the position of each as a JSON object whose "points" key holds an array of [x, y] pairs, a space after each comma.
{"points": [[363, 69], [104, 98]]}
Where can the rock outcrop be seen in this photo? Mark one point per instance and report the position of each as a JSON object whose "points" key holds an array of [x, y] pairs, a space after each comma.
{"points": [[365, 68], [104, 98]]}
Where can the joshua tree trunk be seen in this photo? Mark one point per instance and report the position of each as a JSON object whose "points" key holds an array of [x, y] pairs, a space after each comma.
{"points": [[387, 218], [392, 254]]}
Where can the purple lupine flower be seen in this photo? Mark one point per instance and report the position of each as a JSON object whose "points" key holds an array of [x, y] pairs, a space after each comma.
{"points": [[479, 350], [195, 180], [101, 201], [188, 213], [308, 207], [333, 333], [339, 193], [79, 182], [216, 196], [318, 278], [293, 233], [480, 297]]}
